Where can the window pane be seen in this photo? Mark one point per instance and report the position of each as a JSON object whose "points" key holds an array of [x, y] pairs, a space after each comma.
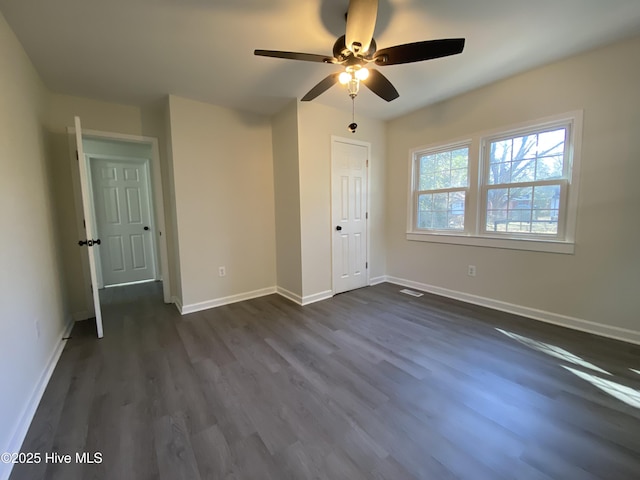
{"points": [[499, 173], [425, 202], [496, 220], [516, 216], [523, 171], [425, 209], [546, 197], [444, 160], [546, 202], [520, 197], [440, 202], [427, 164], [460, 158], [444, 170], [500, 151], [441, 211], [523, 210], [551, 143], [455, 212], [425, 219], [519, 210], [459, 177], [524, 147], [497, 198], [527, 158], [549, 167]]}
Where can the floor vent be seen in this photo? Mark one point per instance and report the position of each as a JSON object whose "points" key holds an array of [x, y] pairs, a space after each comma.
{"points": [[413, 293]]}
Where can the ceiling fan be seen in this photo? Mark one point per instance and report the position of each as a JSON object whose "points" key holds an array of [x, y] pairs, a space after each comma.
{"points": [[357, 49]]}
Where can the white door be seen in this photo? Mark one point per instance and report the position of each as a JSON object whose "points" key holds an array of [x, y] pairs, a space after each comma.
{"points": [[123, 216], [89, 227], [349, 214]]}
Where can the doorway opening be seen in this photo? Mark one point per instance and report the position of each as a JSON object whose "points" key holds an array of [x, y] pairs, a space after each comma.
{"points": [[123, 213], [120, 209]]}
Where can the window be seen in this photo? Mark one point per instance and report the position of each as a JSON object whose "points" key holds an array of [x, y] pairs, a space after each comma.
{"points": [[525, 178], [443, 181], [513, 188]]}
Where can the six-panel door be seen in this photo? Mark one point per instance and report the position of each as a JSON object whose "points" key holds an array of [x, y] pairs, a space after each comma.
{"points": [[349, 213], [123, 217]]}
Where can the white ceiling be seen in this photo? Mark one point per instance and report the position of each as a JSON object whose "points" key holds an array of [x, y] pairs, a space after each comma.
{"points": [[137, 51]]}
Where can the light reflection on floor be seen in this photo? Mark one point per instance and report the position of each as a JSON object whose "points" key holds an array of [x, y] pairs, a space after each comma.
{"points": [[552, 350], [628, 395]]}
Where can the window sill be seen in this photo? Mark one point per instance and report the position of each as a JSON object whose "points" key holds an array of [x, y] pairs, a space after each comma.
{"points": [[549, 246]]}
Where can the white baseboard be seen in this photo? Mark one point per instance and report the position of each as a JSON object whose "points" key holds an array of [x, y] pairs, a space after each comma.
{"points": [[294, 297], [218, 302], [317, 297], [29, 411], [177, 302], [197, 307], [617, 333], [377, 280]]}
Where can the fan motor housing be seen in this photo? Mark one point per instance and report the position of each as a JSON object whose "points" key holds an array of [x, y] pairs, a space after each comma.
{"points": [[342, 53]]}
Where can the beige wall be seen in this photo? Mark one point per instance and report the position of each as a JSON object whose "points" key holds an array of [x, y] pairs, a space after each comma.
{"points": [[286, 178], [223, 174], [316, 124], [30, 273], [600, 283]]}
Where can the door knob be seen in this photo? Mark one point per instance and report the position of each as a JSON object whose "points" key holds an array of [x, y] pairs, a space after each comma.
{"points": [[338, 228], [146, 228], [89, 243]]}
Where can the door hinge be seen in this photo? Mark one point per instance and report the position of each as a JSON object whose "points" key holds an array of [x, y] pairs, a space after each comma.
{"points": [[84, 224], [366, 216], [366, 265], [367, 164], [77, 157]]}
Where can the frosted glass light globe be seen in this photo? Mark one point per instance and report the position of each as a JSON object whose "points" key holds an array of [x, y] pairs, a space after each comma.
{"points": [[344, 78], [362, 74]]}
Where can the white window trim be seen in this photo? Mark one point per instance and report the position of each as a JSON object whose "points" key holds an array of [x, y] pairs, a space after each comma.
{"points": [[413, 186], [473, 234]]}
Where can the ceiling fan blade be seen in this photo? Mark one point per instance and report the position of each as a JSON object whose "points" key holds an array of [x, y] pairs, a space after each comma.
{"points": [[361, 22], [324, 85], [381, 86], [307, 57], [419, 51]]}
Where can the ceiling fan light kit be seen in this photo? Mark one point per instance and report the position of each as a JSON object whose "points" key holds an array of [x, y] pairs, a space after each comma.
{"points": [[357, 49]]}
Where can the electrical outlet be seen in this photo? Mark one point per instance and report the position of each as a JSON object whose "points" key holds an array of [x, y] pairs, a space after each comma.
{"points": [[471, 270], [222, 271]]}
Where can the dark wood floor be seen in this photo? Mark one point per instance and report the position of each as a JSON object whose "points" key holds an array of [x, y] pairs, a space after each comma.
{"points": [[371, 384]]}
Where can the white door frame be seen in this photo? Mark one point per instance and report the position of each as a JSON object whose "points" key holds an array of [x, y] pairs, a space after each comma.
{"points": [[334, 140], [140, 160], [157, 197]]}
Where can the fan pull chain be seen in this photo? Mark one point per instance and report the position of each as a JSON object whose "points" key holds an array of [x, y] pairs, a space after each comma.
{"points": [[353, 125]]}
